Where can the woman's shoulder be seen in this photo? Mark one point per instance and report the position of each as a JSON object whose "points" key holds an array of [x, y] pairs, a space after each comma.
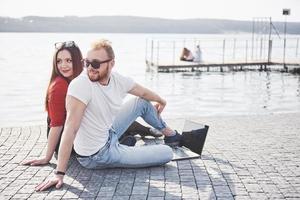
{"points": [[60, 80], [59, 83]]}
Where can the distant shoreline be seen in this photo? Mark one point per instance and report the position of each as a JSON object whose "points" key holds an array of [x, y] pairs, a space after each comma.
{"points": [[129, 33], [130, 24]]}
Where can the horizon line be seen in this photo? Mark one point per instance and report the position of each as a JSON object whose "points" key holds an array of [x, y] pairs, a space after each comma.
{"points": [[226, 19]]}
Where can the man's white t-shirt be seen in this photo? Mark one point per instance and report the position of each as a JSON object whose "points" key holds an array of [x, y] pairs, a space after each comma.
{"points": [[102, 105]]}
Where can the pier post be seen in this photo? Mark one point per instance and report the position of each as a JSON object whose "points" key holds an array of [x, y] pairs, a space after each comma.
{"points": [[151, 52], [261, 47], [173, 52], [297, 45], [157, 58], [234, 45], [146, 53], [285, 12], [252, 45], [270, 41], [223, 51], [284, 47], [246, 51], [270, 51]]}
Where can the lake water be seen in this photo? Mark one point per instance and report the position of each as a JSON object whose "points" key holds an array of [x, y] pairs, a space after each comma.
{"points": [[25, 63]]}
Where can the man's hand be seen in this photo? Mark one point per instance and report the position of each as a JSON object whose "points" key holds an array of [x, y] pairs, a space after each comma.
{"points": [[160, 106], [147, 94], [56, 181], [36, 162]]}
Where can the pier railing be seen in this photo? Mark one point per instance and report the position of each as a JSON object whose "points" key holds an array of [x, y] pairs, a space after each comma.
{"points": [[166, 52]]}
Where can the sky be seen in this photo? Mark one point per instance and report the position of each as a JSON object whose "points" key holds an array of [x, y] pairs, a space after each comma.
{"points": [[170, 9]]}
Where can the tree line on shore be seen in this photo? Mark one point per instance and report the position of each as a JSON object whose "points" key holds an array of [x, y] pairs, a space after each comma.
{"points": [[130, 24]]}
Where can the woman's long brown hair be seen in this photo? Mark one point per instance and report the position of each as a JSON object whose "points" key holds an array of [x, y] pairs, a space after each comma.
{"points": [[77, 66]]}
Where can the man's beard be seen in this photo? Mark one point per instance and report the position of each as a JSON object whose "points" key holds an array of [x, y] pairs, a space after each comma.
{"points": [[94, 77]]}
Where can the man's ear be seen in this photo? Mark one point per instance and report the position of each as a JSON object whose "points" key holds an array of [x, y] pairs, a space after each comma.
{"points": [[112, 63]]}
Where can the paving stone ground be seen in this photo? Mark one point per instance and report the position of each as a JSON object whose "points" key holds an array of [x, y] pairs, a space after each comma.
{"points": [[245, 157]]}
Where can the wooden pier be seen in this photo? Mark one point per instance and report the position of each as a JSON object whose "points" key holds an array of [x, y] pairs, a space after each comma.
{"points": [[229, 66], [163, 55]]}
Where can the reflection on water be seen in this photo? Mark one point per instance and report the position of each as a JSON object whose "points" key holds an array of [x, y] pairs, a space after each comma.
{"points": [[231, 93]]}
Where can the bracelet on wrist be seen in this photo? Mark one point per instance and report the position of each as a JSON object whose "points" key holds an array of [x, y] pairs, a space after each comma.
{"points": [[59, 172]]}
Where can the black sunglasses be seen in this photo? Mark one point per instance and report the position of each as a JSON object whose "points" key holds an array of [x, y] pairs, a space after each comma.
{"points": [[95, 64], [59, 45]]}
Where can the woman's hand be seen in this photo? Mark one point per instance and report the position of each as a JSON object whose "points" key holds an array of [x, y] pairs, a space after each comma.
{"points": [[36, 162]]}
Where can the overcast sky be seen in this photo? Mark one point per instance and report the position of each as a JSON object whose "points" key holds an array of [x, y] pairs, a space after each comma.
{"points": [[173, 9]]}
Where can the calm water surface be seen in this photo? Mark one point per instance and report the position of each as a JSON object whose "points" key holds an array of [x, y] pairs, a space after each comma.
{"points": [[25, 63]]}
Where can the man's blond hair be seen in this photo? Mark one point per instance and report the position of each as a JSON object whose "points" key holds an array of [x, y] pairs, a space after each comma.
{"points": [[104, 44]]}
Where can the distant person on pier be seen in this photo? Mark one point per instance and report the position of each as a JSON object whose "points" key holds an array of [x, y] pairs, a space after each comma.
{"points": [[186, 55], [67, 65], [198, 55]]}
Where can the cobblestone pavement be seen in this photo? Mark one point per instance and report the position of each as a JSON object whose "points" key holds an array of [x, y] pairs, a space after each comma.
{"points": [[245, 157]]}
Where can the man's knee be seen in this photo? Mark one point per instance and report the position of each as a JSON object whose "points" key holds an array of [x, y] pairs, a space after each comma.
{"points": [[143, 103]]}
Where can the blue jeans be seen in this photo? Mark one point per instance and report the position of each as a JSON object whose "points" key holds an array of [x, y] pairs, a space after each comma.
{"points": [[114, 154]]}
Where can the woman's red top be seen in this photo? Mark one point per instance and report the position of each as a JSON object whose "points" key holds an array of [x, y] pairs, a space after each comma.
{"points": [[56, 101]]}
